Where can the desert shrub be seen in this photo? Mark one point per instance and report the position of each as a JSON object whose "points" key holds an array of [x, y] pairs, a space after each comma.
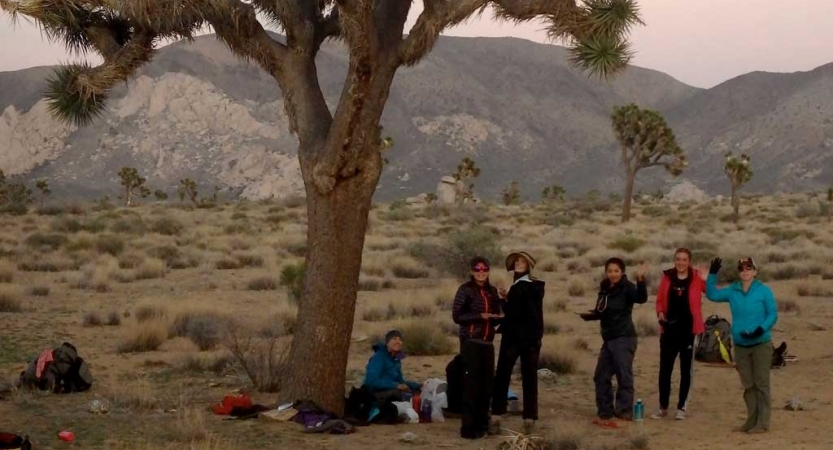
{"points": [[369, 284], [408, 268], [39, 291], [205, 331], [298, 248], [551, 327], [564, 441], [788, 306], [130, 261], [65, 225], [147, 313], [228, 264], [262, 359], [129, 225], [399, 215], [294, 201], [6, 272], [113, 319], [629, 244], [10, 301], [263, 284], [376, 314], [134, 396], [549, 266], [639, 442], [39, 265], [657, 210], [237, 228], [815, 289], [581, 344], [143, 337], [777, 235], [52, 241], [806, 210], [425, 338], [556, 306], [249, 260], [776, 257], [110, 244], [462, 246], [557, 361], [788, 272], [292, 277], [167, 226], [150, 269], [646, 327], [92, 319], [575, 289], [96, 225], [50, 210]]}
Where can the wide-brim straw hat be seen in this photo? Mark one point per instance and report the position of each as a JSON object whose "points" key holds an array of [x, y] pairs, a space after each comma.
{"points": [[510, 260]]}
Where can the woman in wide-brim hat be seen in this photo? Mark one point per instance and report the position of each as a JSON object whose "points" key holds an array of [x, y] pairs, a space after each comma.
{"points": [[522, 329]]}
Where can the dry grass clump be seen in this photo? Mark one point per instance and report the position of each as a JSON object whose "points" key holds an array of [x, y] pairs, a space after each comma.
{"points": [[113, 319], [646, 327], [202, 326], [559, 305], [92, 319], [558, 361], [575, 289], [6, 272], [110, 244], [167, 226], [788, 306], [564, 441], [149, 312], [262, 358], [10, 300], [150, 269], [146, 336], [371, 284], [46, 242], [425, 338], [581, 344], [188, 425], [406, 267], [96, 276], [136, 395], [264, 283], [628, 244], [39, 291], [815, 289]]}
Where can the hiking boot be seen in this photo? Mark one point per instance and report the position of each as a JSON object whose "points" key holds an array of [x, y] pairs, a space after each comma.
{"points": [[660, 414], [529, 426], [680, 415], [494, 427], [743, 428], [757, 430]]}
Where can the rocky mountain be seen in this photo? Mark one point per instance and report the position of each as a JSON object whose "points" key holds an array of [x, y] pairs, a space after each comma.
{"points": [[516, 107]]}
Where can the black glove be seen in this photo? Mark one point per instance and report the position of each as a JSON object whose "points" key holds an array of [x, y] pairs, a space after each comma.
{"points": [[756, 333], [717, 263]]}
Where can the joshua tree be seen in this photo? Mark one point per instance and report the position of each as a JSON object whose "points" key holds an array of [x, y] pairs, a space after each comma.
{"points": [[552, 194], [830, 203], [133, 184], [645, 141], [464, 189], [739, 171], [188, 188], [512, 194], [43, 187], [339, 149], [160, 195]]}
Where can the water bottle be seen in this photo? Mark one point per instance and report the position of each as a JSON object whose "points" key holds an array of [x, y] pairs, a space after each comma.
{"points": [[425, 413], [639, 415]]}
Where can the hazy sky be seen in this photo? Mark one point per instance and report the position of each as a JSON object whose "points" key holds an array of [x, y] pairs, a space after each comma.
{"points": [[700, 42]]}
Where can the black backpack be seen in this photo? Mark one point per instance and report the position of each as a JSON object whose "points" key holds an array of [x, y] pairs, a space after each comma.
{"points": [[715, 344], [454, 373], [67, 372]]}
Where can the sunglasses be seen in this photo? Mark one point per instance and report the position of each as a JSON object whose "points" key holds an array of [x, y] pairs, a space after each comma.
{"points": [[744, 268], [480, 269]]}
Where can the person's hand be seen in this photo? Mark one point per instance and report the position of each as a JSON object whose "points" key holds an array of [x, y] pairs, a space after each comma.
{"points": [[641, 271], [756, 333], [403, 388], [486, 316], [715, 266], [661, 319], [703, 271], [502, 292]]}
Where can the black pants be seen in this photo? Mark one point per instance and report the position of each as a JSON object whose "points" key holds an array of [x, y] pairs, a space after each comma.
{"points": [[615, 358], [671, 345], [509, 353], [478, 383]]}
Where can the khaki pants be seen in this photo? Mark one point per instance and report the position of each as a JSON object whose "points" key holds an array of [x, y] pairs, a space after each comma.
{"points": [[753, 366]]}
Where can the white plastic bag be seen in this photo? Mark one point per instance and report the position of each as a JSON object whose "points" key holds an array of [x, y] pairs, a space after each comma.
{"points": [[405, 409], [439, 402]]}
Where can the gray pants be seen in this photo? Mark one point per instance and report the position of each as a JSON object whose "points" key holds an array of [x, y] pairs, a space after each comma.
{"points": [[615, 358], [754, 364]]}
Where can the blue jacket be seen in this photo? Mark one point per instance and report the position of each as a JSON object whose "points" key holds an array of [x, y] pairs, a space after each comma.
{"points": [[751, 310], [384, 371]]}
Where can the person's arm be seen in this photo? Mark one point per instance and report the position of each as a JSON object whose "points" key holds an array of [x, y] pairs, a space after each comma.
{"points": [[413, 385], [771, 310], [373, 377], [662, 298], [639, 295], [459, 312], [713, 293]]}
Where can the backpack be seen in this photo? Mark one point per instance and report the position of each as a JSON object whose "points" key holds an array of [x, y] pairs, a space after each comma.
{"points": [[715, 344], [454, 373], [60, 370]]}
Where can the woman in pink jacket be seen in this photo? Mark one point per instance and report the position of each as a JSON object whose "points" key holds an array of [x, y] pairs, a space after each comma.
{"points": [[681, 319]]}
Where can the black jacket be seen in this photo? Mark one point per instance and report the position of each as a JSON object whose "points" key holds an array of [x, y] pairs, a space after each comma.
{"points": [[470, 302], [615, 305], [523, 311]]}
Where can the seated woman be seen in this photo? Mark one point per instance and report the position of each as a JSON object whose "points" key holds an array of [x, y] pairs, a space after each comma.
{"points": [[384, 370]]}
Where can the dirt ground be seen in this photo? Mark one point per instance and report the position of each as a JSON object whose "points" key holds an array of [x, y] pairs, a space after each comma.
{"points": [[158, 402]]}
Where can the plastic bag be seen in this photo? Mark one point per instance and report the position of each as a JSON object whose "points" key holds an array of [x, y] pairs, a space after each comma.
{"points": [[439, 402], [405, 409]]}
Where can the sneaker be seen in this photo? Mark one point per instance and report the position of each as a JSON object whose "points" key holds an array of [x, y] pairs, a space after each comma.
{"points": [[660, 414], [529, 426], [680, 415], [494, 427]]}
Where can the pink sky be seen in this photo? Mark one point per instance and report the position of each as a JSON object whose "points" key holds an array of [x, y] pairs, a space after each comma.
{"points": [[700, 42]]}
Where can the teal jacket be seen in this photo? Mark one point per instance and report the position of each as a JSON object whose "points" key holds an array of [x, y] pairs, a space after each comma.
{"points": [[384, 372], [751, 310]]}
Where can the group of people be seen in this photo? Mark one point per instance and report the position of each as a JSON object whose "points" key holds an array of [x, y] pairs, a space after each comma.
{"points": [[483, 310]]}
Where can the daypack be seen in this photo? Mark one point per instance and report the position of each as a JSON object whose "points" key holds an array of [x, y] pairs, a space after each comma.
{"points": [[59, 370], [715, 344], [454, 373]]}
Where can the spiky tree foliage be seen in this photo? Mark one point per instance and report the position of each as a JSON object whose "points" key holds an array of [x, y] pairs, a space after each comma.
{"points": [[339, 150], [133, 184], [511, 195], [160, 195], [188, 189], [466, 172], [739, 171], [554, 193], [645, 140], [43, 187]]}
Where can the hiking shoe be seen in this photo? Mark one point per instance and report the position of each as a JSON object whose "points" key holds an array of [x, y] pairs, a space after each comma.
{"points": [[494, 427], [529, 426], [743, 428], [757, 430], [660, 414], [680, 415]]}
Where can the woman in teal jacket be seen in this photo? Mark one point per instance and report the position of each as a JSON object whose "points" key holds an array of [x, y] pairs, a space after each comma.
{"points": [[754, 313], [384, 370]]}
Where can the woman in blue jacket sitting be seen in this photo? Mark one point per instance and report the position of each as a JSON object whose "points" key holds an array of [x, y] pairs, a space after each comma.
{"points": [[754, 313], [384, 370]]}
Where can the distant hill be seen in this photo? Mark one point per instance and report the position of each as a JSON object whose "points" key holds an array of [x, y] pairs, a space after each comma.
{"points": [[515, 106]]}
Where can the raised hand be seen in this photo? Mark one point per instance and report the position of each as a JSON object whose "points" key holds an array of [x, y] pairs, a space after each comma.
{"points": [[642, 270], [715, 266]]}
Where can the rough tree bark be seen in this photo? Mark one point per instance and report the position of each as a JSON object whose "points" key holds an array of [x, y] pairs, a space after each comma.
{"points": [[626, 207], [735, 203]]}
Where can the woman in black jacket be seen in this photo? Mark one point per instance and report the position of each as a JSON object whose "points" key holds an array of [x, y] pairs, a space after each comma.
{"points": [[614, 306], [522, 328], [477, 310]]}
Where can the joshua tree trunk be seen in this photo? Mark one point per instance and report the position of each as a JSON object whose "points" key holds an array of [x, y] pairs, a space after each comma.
{"points": [[127, 197], [626, 205], [735, 203]]}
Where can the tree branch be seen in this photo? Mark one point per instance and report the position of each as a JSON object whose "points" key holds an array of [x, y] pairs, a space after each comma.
{"points": [[436, 16], [328, 27]]}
